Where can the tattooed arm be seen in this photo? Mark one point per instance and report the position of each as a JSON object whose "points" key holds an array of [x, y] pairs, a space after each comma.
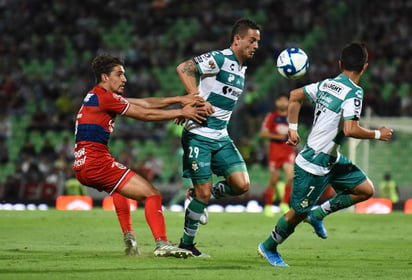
{"points": [[188, 73]]}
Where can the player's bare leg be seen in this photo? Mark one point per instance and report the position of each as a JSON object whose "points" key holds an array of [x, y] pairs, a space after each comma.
{"points": [[341, 201], [140, 189]]}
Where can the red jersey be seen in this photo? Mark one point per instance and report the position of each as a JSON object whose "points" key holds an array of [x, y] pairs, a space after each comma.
{"points": [[94, 165], [279, 151]]}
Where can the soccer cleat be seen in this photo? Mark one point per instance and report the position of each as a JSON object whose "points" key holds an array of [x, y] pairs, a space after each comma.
{"points": [[194, 250], [130, 243], [317, 225], [268, 211], [204, 217], [165, 249], [272, 257]]}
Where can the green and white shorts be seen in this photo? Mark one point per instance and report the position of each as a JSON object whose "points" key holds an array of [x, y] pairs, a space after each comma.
{"points": [[204, 156], [308, 188]]}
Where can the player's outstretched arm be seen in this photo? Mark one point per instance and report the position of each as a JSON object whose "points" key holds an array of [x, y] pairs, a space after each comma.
{"points": [[190, 111], [351, 128], [162, 102]]}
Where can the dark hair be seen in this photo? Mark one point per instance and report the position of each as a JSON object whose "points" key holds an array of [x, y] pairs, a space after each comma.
{"points": [[282, 94], [354, 56], [104, 64], [241, 26]]}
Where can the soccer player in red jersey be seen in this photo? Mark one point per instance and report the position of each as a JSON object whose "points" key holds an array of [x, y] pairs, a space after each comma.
{"points": [[95, 167], [281, 155]]}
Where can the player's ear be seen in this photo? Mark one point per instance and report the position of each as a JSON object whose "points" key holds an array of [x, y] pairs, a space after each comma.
{"points": [[365, 66], [104, 77], [237, 39]]}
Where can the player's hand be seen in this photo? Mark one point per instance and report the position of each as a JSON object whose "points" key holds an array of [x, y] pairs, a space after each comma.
{"points": [[190, 98], [199, 102], [386, 133], [194, 112], [293, 137], [179, 121]]}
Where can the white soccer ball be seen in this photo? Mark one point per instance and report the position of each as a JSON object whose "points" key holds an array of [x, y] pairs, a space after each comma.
{"points": [[292, 63]]}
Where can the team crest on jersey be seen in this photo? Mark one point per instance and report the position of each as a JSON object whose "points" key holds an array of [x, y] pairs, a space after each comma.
{"points": [[304, 204], [195, 167], [212, 64], [119, 165]]}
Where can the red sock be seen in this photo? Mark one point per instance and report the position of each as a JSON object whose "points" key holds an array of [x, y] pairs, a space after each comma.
{"points": [[268, 195], [287, 194], [122, 207], [154, 217]]}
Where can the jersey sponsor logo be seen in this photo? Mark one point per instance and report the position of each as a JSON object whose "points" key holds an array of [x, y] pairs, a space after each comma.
{"points": [[359, 94], [79, 162], [232, 92], [332, 87], [357, 109], [79, 153], [201, 58], [80, 157], [119, 165]]}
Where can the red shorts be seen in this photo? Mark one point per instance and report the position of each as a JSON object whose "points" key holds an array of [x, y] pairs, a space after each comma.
{"points": [[104, 174], [276, 161]]}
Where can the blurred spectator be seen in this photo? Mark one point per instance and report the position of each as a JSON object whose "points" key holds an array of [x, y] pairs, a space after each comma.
{"points": [[39, 121], [407, 105], [5, 127], [72, 186], [151, 167], [388, 188], [66, 148], [259, 153], [27, 149], [4, 152], [11, 187], [48, 150], [30, 169], [393, 105]]}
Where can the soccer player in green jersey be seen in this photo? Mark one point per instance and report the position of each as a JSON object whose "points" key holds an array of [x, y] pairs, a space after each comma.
{"points": [[338, 105], [219, 77]]}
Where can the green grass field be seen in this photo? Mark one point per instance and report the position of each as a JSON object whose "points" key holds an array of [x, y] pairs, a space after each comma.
{"points": [[88, 245]]}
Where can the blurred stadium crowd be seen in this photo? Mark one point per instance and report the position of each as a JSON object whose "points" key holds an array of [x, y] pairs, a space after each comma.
{"points": [[46, 48]]}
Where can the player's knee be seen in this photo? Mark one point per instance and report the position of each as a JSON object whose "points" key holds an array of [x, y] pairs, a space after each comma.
{"points": [[366, 191], [243, 187], [369, 191]]}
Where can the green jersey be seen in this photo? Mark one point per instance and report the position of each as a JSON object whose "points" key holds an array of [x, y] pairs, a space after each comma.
{"points": [[336, 100], [221, 83]]}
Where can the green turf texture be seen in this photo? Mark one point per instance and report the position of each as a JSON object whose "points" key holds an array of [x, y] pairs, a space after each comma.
{"points": [[88, 245]]}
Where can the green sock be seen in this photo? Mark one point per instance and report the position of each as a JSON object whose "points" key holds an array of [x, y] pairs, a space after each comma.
{"points": [[222, 189], [192, 216], [334, 204], [280, 233]]}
